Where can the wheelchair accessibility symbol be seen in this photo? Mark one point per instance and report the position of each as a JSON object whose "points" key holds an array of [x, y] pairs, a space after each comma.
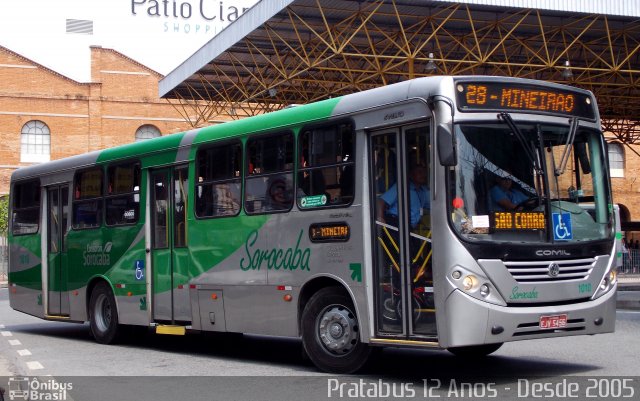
{"points": [[562, 226], [139, 270]]}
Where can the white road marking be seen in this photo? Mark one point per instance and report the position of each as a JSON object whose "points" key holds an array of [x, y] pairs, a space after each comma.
{"points": [[6, 333], [15, 342], [34, 365], [24, 352]]}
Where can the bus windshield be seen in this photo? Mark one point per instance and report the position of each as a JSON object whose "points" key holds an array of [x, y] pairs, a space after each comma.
{"points": [[529, 182]]}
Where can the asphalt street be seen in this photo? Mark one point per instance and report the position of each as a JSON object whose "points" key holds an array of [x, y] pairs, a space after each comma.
{"points": [[256, 367]]}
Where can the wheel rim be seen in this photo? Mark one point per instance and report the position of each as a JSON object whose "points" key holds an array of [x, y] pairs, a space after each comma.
{"points": [[102, 313], [337, 330]]}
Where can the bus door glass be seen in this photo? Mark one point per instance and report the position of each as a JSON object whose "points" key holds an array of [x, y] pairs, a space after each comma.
{"points": [[169, 259], [401, 235], [57, 213]]}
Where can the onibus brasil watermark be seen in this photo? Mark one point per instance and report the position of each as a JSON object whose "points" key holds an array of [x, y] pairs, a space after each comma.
{"points": [[38, 389]]}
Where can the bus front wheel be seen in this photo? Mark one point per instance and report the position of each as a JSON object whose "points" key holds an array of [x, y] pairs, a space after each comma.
{"points": [[475, 351], [331, 332], [103, 314]]}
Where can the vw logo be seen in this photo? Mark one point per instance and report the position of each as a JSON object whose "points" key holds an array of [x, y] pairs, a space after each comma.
{"points": [[554, 270]]}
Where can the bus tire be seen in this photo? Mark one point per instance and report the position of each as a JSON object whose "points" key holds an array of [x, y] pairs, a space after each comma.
{"points": [[331, 332], [103, 315], [475, 351]]}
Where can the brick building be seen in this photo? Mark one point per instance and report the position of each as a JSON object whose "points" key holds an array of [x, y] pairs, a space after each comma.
{"points": [[625, 179], [45, 115]]}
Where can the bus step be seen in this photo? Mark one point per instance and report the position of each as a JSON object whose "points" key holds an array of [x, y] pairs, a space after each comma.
{"points": [[57, 317], [171, 330]]}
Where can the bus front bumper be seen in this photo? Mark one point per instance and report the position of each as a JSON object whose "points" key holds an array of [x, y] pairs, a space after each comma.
{"points": [[477, 322]]}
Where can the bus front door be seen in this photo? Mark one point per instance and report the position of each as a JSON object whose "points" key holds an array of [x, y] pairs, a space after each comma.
{"points": [[169, 252], [57, 301], [400, 175]]}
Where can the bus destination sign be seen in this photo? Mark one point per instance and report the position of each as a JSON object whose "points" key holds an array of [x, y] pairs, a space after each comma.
{"points": [[479, 96], [516, 221], [329, 232]]}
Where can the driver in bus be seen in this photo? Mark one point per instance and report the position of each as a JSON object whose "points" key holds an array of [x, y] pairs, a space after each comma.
{"points": [[504, 197]]}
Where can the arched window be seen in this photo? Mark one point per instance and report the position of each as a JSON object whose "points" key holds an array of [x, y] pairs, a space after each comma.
{"points": [[35, 142], [147, 131], [616, 159]]}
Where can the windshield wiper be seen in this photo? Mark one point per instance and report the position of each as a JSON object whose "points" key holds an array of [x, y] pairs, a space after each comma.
{"points": [[567, 147], [528, 147]]}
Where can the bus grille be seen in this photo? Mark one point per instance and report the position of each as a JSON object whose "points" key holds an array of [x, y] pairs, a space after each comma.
{"points": [[542, 271]]}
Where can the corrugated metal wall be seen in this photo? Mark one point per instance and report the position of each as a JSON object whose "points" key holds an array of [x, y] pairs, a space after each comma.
{"points": [[627, 8]]}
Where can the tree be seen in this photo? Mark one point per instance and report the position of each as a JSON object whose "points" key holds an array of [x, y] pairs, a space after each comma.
{"points": [[4, 215]]}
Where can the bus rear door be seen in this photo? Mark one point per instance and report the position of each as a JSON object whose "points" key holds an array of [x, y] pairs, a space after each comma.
{"points": [[402, 233]]}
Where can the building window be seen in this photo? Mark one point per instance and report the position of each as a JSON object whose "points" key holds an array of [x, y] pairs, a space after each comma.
{"points": [[147, 132], [35, 142], [616, 159]]}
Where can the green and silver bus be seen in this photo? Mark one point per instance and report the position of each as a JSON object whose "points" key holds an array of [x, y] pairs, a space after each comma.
{"points": [[274, 224]]}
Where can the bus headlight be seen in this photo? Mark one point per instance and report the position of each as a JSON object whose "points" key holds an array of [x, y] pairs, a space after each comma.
{"points": [[475, 284], [607, 283], [469, 282]]}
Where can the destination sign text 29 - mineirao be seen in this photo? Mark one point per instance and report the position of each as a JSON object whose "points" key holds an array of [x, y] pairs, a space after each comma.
{"points": [[478, 96]]}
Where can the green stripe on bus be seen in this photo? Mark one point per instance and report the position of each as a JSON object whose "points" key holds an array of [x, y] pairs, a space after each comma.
{"points": [[165, 148], [269, 122]]}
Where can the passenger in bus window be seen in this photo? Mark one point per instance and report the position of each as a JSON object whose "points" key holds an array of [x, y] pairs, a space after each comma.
{"points": [[419, 199], [504, 196], [279, 196]]}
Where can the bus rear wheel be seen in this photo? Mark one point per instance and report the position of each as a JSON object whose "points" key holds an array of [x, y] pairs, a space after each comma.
{"points": [[331, 332], [475, 351], [103, 315]]}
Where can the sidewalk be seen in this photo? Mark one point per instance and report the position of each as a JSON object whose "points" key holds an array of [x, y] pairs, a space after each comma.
{"points": [[628, 292], [6, 369]]}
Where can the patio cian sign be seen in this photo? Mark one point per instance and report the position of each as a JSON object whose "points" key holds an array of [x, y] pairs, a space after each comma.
{"points": [[191, 16]]}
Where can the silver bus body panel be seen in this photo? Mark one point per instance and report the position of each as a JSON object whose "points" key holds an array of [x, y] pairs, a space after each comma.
{"points": [[520, 323]]}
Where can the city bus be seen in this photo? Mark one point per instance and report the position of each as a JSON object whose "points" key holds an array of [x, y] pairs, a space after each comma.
{"points": [[303, 223]]}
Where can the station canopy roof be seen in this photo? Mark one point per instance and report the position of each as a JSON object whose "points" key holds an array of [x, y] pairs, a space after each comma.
{"points": [[284, 52]]}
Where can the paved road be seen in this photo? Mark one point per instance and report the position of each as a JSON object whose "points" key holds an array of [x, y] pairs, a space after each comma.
{"points": [[270, 368]]}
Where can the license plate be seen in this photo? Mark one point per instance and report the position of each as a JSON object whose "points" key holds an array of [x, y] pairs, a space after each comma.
{"points": [[553, 322]]}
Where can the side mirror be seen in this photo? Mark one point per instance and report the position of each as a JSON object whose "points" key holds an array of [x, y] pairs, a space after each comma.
{"points": [[446, 146]]}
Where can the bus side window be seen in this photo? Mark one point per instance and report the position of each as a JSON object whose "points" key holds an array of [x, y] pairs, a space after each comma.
{"points": [[270, 187], [26, 207], [122, 202], [219, 182], [87, 199], [326, 172]]}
